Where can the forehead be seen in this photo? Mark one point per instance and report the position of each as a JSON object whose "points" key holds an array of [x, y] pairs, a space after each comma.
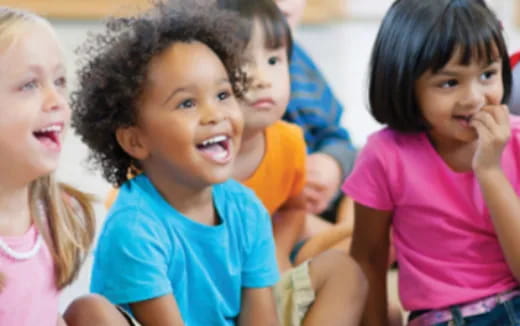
{"points": [[184, 63], [30, 44]]}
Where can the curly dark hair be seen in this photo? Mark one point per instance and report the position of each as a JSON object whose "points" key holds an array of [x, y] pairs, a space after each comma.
{"points": [[114, 65]]}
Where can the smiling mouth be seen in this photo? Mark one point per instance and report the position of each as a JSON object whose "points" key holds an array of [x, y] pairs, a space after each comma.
{"points": [[217, 148], [464, 118], [50, 136]]}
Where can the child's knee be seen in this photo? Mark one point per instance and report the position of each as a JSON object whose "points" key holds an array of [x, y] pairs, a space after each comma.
{"points": [[93, 310], [338, 268]]}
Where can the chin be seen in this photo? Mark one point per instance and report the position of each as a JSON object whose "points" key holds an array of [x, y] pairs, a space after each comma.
{"points": [[220, 176]]}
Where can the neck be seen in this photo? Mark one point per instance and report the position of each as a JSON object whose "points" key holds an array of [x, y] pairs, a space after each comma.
{"points": [[193, 201], [457, 155], [15, 216], [250, 155], [251, 141]]}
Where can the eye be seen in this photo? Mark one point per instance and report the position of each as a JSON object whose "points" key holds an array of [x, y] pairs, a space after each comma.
{"points": [[61, 82], [488, 74], [29, 85], [273, 60], [224, 95], [186, 104], [449, 83]]}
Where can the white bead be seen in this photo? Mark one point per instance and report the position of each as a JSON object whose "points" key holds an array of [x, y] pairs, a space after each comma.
{"points": [[22, 255]]}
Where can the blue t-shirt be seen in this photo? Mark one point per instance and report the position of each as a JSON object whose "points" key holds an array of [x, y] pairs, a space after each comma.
{"points": [[147, 249]]}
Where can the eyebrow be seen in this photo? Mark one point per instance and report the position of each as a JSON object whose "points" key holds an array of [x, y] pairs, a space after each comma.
{"points": [[186, 88], [39, 69]]}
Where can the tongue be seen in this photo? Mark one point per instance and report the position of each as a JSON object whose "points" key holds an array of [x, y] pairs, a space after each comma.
{"points": [[214, 151], [47, 138]]}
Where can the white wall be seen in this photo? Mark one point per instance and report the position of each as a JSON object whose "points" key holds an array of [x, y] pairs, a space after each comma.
{"points": [[376, 8]]}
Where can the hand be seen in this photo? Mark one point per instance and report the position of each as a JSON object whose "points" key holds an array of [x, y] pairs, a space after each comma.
{"points": [[493, 130], [323, 180]]}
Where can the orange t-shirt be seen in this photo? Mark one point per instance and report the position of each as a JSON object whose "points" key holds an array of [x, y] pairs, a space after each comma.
{"points": [[281, 174]]}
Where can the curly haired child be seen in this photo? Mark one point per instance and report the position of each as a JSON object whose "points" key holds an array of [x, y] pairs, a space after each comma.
{"points": [[182, 244]]}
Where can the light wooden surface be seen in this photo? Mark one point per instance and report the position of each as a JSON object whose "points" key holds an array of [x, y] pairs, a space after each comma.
{"points": [[322, 11], [79, 9], [518, 13]]}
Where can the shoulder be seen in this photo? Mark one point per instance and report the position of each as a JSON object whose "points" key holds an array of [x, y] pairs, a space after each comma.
{"points": [[286, 146], [291, 134], [135, 210], [390, 139]]}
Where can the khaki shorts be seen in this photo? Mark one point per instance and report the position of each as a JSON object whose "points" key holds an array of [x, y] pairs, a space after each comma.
{"points": [[131, 320], [294, 295]]}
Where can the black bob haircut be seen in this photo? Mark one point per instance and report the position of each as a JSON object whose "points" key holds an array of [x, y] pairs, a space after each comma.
{"points": [[276, 28], [114, 65], [421, 35]]}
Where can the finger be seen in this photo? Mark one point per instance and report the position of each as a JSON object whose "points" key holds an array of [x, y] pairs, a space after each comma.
{"points": [[487, 120], [483, 131], [502, 115]]}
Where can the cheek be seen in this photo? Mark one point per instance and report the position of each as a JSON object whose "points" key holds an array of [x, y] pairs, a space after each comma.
{"points": [[496, 94], [236, 115]]}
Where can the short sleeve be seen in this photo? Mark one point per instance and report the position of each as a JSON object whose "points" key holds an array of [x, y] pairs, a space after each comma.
{"points": [[131, 259], [260, 268], [368, 183]]}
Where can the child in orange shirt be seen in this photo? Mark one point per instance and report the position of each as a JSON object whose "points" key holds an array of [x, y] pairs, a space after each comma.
{"points": [[329, 288]]}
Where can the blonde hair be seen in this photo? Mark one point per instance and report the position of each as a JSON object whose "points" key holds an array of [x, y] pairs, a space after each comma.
{"points": [[67, 222]]}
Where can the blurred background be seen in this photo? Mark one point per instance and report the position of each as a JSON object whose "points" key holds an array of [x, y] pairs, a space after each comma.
{"points": [[338, 34]]}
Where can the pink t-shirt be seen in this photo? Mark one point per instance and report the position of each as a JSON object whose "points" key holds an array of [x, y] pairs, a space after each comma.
{"points": [[447, 248], [30, 296]]}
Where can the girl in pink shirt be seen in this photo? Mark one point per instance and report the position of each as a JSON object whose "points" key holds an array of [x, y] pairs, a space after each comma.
{"points": [[445, 173], [46, 228]]}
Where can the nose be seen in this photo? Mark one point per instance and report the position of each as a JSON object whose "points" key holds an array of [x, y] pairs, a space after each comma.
{"points": [[54, 99], [211, 113], [259, 78], [474, 96]]}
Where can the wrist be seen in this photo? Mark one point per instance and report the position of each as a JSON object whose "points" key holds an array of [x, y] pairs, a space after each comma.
{"points": [[486, 174]]}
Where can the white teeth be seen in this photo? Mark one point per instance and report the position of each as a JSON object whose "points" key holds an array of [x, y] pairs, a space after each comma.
{"points": [[53, 128], [214, 140]]}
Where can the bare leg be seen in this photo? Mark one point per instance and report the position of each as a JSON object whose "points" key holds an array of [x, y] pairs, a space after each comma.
{"points": [[93, 310], [341, 290], [336, 236], [395, 315], [323, 235]]}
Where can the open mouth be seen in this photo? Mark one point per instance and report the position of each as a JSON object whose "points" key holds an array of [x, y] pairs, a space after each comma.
{"points": [[50, 136], [464, 119], [217, 148]]}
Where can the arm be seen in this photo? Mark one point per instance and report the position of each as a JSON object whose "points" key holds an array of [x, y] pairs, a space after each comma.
{"points": [[258, 308], [492, 125], [288, 225], [370, 247], [504, 206], [161, 311]]}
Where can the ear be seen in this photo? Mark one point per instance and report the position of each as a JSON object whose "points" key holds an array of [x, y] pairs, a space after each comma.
{"points": [[132, 142]]}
